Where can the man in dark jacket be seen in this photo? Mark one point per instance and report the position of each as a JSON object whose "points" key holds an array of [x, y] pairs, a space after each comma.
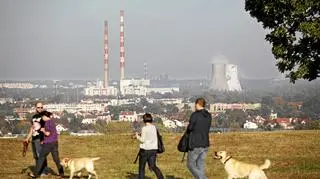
{"points": [[198, 129]]}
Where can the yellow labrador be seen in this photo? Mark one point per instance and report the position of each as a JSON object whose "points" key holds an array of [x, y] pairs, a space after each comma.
{"points": [[77, 164], [237, 169]]}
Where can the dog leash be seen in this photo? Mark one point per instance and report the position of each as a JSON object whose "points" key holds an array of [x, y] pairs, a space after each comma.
{"points": [[25, 148]]}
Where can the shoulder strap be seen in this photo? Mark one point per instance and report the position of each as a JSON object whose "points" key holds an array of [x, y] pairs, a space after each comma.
{"points": [[184, 154], [138, 155]]}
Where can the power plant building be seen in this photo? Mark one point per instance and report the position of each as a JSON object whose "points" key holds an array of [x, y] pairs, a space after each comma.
{"points": [[138, 87], [224, 76], [100, 90], [134, 86]]}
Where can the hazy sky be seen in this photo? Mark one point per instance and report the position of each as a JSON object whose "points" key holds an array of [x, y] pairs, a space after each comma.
{"points": [[63, 39]]}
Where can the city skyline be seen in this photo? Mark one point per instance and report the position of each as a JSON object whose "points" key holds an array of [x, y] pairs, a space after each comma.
{"points": [[64, 40]]}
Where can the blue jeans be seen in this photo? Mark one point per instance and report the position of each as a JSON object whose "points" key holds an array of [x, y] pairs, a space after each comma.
{"points": [[196, 159], [36, 149]]}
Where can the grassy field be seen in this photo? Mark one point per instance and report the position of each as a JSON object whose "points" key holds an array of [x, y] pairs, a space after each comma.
{"points": [[294, 154]]}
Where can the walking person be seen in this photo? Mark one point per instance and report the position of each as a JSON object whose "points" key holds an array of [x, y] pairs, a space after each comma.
{"points": [[148, 147], [50, 145], [37, 136], [198, 130]]}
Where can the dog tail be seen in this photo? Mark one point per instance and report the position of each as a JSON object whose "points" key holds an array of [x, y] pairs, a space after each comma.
{"points": [[266, 165], [96, 158]]}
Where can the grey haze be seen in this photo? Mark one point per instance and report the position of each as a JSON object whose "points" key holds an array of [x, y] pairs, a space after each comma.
{"points": [[63, 39]]}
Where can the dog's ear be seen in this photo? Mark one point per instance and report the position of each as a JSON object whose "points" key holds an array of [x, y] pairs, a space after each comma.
{"points": [[66, 160]]}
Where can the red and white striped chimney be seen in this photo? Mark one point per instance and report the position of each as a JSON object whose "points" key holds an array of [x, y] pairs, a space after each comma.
{"points": [[145, 65], [122, 53], [106, 56]]}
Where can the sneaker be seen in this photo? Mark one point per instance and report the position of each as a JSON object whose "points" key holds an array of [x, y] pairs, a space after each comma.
{"points": [[60, 176], [44, 174], [32, 175]]}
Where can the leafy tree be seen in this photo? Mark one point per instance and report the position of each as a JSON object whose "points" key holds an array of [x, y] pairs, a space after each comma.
{"points": [[4, 126], [311, 107], [21, 127], [101, 126], [75, 124], [266, 105], [294, 34], [236, 117]]}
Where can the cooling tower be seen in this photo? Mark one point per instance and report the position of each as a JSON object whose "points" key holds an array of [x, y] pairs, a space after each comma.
{"points": [[232, 77], [218, 73]]}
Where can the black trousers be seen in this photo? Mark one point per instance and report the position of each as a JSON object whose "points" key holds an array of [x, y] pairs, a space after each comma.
{"points": [[149, 156], [46, 149]]}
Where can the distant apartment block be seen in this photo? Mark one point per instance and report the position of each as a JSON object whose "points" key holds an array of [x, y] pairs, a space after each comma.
{"points": [[162, 90], [6, 100], [175, 101], [222, 107], [17, 85], [71, 108], [128, 116]]}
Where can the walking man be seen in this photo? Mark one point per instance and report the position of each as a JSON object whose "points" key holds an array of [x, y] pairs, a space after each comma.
{"points": [[198, 130], [37, 136]]}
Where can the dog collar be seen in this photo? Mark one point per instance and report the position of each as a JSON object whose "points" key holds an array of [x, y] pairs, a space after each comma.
{"points": [[227, 160]]}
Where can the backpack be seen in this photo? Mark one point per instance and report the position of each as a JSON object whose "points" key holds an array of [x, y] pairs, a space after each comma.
{"points": [[183, 145], [161, 148]]}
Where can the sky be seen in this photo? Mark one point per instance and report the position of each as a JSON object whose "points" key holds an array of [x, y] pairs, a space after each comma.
{"points": [[63, 39]]}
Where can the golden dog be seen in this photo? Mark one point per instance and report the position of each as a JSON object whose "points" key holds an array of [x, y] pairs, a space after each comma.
{"points": [[77, 164], [237, 169]]}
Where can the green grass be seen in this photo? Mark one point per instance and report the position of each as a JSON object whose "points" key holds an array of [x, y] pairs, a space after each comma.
{"points": [[294, 154]]}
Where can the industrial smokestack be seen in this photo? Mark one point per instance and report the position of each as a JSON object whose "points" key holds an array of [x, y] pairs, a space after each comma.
{"points": [[122, 53], [106, 56], [145, 65]]}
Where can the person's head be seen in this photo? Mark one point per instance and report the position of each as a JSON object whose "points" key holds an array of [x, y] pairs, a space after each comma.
{"points": [[39, 107], [46, 115], [200, 103], [147, 118]]}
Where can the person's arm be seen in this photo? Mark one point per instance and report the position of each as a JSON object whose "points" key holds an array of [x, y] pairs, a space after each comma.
{"points": [[29, 134], [191, 124], [46, 133], [46, 130], [143, 135]]}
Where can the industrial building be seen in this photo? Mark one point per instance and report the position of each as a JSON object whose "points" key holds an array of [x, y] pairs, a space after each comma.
{"points": [[127, 86], [224, 76], [134, 87], [100, 90]]}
